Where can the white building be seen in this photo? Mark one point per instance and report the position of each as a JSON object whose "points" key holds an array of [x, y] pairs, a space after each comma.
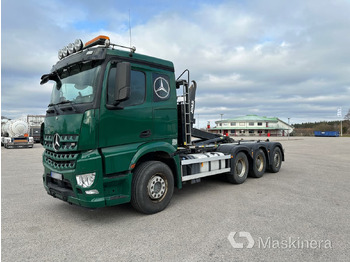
{"points": [[35, 120], [252, 125]]}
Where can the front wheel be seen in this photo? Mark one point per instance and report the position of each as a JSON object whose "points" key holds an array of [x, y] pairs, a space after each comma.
{"points": [[152, 187]]}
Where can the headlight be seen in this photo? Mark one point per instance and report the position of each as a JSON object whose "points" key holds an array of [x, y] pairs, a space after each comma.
{"points": [[86, 180], [7, 140]]}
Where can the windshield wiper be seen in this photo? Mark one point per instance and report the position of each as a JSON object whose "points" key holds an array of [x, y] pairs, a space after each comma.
{"points": [[54, 110], [67, 102], [64, 102]]}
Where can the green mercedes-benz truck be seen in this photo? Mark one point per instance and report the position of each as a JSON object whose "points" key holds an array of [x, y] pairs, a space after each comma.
{"points": [[119, 128]]}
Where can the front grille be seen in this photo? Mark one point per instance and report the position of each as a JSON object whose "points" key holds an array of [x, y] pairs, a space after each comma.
{"points": [[67, 142], [60, 161]]}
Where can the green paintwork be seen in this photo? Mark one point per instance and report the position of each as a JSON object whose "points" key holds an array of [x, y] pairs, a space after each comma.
{"points": [[63, 124], [88, 133], [117, 158], [123, 126], [151, 148], [108, 142]]}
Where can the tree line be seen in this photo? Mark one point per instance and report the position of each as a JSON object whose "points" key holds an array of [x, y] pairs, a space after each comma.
{"points": [[307, 129]]}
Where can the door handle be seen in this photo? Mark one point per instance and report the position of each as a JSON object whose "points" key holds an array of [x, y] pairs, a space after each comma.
{"points": [[145, 134]]}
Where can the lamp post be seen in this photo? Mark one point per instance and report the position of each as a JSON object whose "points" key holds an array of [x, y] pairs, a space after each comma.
{"points": [[221, 123], [339, 114], [288, 127]]}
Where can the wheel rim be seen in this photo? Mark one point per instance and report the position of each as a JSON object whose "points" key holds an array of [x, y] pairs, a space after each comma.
{"points": [[259, 163], [157, 187], [277, 160], [240, 168]]}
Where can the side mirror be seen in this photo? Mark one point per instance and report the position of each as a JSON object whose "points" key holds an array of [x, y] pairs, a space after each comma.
{"points": [[45, 79], [122, 83], [52, 76]]}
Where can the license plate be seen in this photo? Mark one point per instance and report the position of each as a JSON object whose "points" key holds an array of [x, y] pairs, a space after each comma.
{"points": [[56, 175]]}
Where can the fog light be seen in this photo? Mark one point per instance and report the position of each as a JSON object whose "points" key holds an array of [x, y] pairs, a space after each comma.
{"points": [[86, 180], [92, 192]]}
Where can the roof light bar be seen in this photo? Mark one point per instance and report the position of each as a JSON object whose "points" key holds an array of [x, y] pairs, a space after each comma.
{"points": [[78, 45], [70, 49]]}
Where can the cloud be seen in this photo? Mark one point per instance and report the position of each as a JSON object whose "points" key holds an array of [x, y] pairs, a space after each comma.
{"points": [[272, 58]]}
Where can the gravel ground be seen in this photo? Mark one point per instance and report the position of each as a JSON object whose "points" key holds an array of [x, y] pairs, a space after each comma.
{"points": [[301, 213]]}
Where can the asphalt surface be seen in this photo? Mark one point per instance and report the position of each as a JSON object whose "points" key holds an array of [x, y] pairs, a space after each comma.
{"points": [[301, 213]]}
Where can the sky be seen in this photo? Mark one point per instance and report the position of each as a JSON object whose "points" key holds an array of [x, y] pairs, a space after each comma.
{"points": [[285, 59]]}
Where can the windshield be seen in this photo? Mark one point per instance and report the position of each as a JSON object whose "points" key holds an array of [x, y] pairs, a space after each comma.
{"points": [[78, 84]]}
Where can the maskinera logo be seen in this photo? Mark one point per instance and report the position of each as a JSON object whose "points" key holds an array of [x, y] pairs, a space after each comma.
{"points": [[238, 244], [245, 240]]}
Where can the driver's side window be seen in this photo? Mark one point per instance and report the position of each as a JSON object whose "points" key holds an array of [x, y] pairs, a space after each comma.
{"points": [[137, 88]]}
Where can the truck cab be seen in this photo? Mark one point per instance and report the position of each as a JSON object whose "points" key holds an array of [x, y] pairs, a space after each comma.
{"points": [[109, 108]]}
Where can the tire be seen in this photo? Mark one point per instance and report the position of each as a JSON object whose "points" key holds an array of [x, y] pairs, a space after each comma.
{"points": [[276, 160], [240, 169], [152, 187], [258, 165]]}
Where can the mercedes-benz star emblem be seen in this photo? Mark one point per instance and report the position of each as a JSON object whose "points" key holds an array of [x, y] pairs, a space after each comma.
{"points": [[161, 88], [56, 142]]}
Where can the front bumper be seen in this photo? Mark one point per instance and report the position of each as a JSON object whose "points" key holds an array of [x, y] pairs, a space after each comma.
{"points": [[19, 144], [112, 190]]}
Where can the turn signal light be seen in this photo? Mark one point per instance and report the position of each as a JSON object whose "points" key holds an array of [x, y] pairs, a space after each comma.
{"points": [[99, 40]]}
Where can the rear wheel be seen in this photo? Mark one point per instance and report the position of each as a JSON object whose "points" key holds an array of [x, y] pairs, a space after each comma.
{"points": [[240, 169], [152, 187], [276, 160], [258, 166]]}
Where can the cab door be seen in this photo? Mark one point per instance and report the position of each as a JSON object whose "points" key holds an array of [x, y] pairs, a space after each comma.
{"points": [[131, 122]]}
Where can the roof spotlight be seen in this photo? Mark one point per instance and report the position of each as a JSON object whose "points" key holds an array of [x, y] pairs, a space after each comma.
{"points": [[107, 42], [65, 51], [78, 44], [71, 48], [60, 54]]}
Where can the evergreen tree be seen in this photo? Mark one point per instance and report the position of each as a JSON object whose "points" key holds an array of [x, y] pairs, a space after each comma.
{"points": [[347, 116]]}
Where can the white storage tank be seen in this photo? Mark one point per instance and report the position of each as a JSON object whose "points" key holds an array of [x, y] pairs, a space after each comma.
{"points": [[15, 128]]}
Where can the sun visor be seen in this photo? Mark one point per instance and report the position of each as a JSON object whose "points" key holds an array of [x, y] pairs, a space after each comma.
{"points": [[89, 54]]}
